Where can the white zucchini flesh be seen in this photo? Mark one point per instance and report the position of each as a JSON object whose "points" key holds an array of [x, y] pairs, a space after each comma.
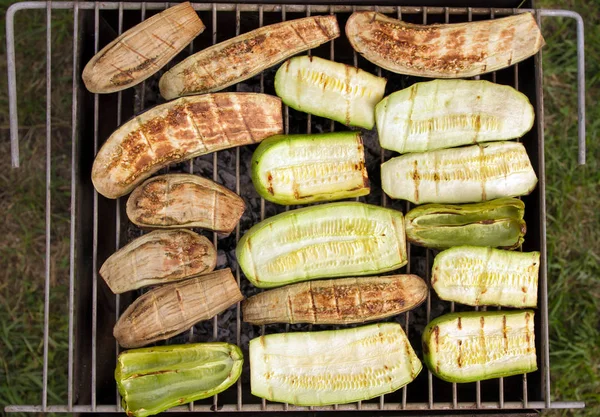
{"points": [[473, 346], [330, 89], [332, 367], [461, 175], [448, 113], [485, 276]]}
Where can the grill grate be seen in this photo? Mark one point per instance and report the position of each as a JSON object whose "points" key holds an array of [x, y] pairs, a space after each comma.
{"points": [[93, 311]]}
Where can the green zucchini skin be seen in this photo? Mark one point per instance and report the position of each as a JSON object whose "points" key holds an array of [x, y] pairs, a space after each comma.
{"points": [[496, 223], [448, 113], [302, 169], [330, 89], [324, 241], [332, 367], [484, 276], [473, 346], [154, 379], [460, 175]]}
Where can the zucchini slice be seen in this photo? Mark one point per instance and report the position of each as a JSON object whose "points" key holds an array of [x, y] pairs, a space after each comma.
{"points": [[244, 56], [154, 379], [448, 113], [329, 89], [336, 301], [332, 367], [456, 50], [495, 223], [485, 276], [462, 175], [473, 346], [329, 240], [180, 130], [300, 169]]}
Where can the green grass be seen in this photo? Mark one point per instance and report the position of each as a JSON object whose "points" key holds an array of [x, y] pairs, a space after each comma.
{"points": [[572, 193]]}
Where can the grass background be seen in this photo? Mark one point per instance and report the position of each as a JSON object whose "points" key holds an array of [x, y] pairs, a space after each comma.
{"points": [[572, 196]]}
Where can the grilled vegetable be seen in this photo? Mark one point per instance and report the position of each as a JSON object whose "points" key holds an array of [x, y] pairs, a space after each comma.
{"points": [[496, 223], [154, 379], [444, 51], [485, 276], [170, 309], [447, 113], [180, 130], [461, 175], [336, 301], [242, 57], [473, 346], [142, 50], [330, 89], [332, 367], [299, 169], [184, 200], [158, 257], [329, 240]]}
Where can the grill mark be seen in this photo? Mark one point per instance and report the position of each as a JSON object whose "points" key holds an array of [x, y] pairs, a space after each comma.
{"points": [[504, 334], [416, 179], [336, 302], [241, 114], [290, 308], [150, 61], [196, 128], [347, 80], [298, 34], [436, 331], [122, 71], [218, 118], [270, 183], [313, 306], [459, 359], [413, 94], [155, 36], [320, 26], [527, 335], [180, 303], [215, 210], [459, 324]]}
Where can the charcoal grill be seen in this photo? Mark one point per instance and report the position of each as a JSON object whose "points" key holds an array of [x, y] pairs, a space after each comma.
{"points": [[99, 226]]}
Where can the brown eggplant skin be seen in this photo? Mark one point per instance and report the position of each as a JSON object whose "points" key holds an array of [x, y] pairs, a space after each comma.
{"points": [[242, 57], [179, 130], [336, 301], [143, 50], [184, 200], [158, 257], [168, 310], [454, 50]]}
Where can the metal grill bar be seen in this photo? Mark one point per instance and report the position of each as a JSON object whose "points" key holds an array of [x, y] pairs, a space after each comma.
{"points": [[214, 9]]}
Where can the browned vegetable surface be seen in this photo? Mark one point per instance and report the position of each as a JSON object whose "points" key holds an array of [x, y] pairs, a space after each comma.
{"points": [[184, 200], [170, 309], [336, 301], [142, 50], [180, 130], [244, 56], [444, 50], [158, 257]]}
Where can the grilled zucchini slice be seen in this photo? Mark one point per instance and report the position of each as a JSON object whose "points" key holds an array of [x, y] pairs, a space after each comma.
{"points": [[473, 346], [329, 240], [332, 367], [485, 276], [462, 175], [496, 223], [457, 50], [329, 89], [154, 379], [336, 301], [300, 169], [244, 56], [448, 113]]}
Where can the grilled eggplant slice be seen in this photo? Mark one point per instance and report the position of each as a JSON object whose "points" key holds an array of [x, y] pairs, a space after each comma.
{"points": [[496, 223], [180, 130], [332, 367], [142, 50], [158, 257], [336, 301], [457, 50], [462, 175], [184, 200], [300, 169], [329, 89], [448, 113], [244, 56], [484, 276], [154, 379], [473, 346], [329, 240], [170, 309]]}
